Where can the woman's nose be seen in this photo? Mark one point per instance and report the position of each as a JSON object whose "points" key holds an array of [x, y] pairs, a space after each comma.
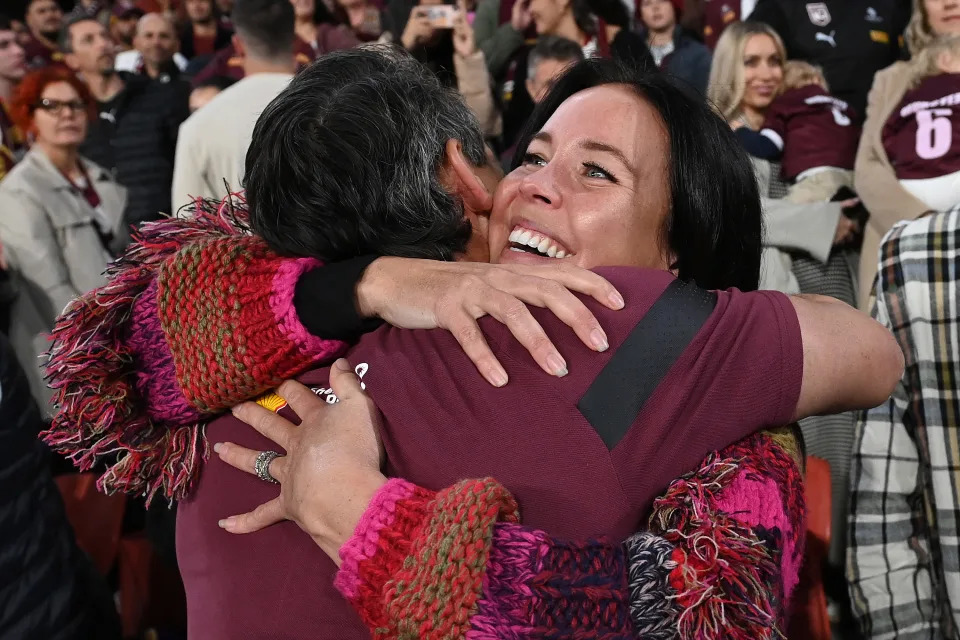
{"points": [[541, 186]]}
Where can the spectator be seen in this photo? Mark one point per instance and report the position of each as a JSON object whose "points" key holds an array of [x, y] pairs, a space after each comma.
{"points": [[813, 132], [208, 90], [43, 19], [224, 8], [500, 41], [550, 57], [851, 40], [123, 25], [203, 35], [60, 212], [903, 535], [672, 49], [12, 68], [136, 131], [807, 246], [213, 141], [50, 587], [874, 176], [314, 25], [920, 136], [363, 16], [155, 52]]}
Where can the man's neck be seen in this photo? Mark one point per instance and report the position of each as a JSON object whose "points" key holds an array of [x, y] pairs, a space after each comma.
{"points": [[661, 37], [152, 70], [253, 66], [104, 87], [63, 158], [44, 40]]}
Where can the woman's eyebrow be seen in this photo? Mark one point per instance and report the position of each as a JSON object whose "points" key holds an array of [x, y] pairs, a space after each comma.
{"points": [[596, 145], [542, 136]]}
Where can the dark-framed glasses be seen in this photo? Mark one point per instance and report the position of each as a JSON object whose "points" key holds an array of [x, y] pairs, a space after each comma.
{"points": [[57, 107]]}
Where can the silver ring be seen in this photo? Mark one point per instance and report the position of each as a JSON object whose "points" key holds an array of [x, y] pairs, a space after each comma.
{"points": [[262, 466]]}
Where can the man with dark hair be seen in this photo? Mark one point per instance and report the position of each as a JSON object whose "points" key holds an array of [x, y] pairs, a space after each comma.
{"points": [[12, 68], [43, 19], [213, 141], [549, 58], [136, 132]]}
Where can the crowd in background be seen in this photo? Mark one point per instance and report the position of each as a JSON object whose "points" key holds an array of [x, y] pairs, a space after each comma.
{"points": [[114, 113]]}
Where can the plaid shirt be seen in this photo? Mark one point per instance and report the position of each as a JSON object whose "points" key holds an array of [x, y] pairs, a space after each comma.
{"points": [[904, 554]]}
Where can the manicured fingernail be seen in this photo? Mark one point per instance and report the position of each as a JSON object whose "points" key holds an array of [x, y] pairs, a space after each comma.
{"points": [[599, 340], [498, 377], [217, 447], [617, 300], [557, 365], [235, 409], [222, 524], [342, 364]]}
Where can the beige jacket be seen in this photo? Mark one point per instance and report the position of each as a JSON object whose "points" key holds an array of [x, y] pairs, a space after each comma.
{"points": [[52, 249], [874, 177]]}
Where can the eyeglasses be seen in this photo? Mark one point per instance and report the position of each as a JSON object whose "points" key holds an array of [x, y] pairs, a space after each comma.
{"points": [[56, 107]]}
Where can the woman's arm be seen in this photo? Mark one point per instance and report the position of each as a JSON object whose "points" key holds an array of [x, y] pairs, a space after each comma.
{"points": [[719, 560], [31, 242]]}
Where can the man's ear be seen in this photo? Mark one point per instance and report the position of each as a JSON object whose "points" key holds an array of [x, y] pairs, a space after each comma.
{"points": [[70, 59], [463, 179], [238, 46]]}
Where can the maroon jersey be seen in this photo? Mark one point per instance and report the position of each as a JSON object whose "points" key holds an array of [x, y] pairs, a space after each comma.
{"points": [[717, 16], [227, 63], [38, 54], [443, 422], [812, 129], [922, 135]]}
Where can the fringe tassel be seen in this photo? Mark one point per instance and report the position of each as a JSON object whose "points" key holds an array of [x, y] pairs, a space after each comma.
{"points": [[100, 414], [716, 554]]}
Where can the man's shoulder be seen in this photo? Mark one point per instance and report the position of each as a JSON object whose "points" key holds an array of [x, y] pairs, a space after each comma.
{"points": [[937, 231]]}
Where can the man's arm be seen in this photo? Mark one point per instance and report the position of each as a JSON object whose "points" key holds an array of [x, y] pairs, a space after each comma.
{"points": [[189, 176], [850, 361]]}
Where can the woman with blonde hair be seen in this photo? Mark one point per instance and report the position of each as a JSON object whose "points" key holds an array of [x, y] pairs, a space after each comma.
{"points": [[874, 176], [807, 247]]}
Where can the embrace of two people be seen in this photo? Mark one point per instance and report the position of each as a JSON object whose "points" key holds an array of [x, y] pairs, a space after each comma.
{"points": [[464, 476]]}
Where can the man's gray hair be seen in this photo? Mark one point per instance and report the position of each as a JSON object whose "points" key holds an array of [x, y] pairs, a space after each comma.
{"points": [[345, 161], [553, 48]]}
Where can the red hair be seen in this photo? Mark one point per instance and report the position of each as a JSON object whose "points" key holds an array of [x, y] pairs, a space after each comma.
{"points": [[27, 94]]}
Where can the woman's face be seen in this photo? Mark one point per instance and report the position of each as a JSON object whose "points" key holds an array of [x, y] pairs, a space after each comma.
{"points": [[61, 117], [943, 16], [546, 14], [762, 72], [304, 8], [587, 192]]}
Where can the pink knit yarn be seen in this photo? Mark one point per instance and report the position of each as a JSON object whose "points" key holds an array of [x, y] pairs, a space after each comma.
{"points": [[281, 302], [755, 501], [363, 544]]}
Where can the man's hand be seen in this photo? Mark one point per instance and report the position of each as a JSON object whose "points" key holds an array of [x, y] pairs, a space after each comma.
{"points": [[427, 294], [331, 469]]}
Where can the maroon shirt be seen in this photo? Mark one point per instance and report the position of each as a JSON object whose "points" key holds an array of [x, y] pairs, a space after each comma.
{"points": [[717, 16], [443, 422], [922, 135], [38, 54], [812, 129]]}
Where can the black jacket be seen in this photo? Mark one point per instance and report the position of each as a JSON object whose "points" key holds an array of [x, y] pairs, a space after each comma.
{"points": [[850, 39], [135, 136], [48, 588], [689, 62]]}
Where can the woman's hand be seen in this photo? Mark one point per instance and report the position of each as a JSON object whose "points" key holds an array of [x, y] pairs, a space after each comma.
{"points": [[847, 229], [331, 469], [464, 42], [418, 29], [426, 294]]}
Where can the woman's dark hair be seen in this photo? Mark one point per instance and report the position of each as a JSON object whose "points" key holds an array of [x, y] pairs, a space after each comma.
{"points": [[715, 225], [583, 16]]}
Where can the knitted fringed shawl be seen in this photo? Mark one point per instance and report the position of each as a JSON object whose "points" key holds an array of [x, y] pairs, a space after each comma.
{"points": [[124, 397]]}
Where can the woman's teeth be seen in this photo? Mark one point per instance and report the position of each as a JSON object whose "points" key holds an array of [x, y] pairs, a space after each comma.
{"points": [[539, 243]]}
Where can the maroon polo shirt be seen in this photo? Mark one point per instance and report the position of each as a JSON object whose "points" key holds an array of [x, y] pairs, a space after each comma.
{"points": [[443, 422], [812, 129], [922, 135]]}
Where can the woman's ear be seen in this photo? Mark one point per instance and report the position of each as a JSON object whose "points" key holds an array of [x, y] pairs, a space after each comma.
{"points": [[463, 178]]}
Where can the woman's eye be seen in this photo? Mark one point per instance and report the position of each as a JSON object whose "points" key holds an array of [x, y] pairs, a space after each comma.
{"points": [[596, 171], [533, 158]]}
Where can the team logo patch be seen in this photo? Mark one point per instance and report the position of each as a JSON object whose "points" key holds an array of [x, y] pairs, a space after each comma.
{"points": [[880, 36], [819, 13], [271, 401], [872, 15]]}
